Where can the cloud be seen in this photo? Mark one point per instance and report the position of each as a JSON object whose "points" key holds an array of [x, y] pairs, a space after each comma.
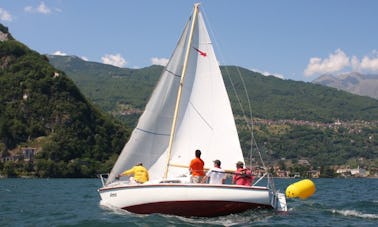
{"points": [[370, 64], [114, 59], [367, 63], [266, 73], [335, 62], [60, 53], [42, 8], [339, 61], [159, 61], [5, 15]]}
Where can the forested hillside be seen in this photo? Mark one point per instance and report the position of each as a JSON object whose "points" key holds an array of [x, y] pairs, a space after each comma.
{"points": [[41, 108], [293, 120], [114, 89], [274, 98]]}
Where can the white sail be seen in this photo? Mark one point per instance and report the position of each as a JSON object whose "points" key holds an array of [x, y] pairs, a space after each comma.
{"points": [[205, 120]]}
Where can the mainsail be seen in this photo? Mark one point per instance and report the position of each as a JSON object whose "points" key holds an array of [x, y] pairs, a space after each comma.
{"points": [[204, 121]]}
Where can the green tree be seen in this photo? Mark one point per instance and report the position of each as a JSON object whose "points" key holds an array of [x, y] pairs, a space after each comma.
{"points": [[9, 169]]}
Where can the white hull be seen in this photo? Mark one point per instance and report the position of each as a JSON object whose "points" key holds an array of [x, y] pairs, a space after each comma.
{"points": [[201, 200]]}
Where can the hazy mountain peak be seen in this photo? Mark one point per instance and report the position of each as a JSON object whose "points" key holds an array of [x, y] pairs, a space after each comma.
{"points": [[353, 82]]}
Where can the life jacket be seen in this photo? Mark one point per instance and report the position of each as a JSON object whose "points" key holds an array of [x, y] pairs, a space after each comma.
{"points": [[243, 177], [245, 173]]}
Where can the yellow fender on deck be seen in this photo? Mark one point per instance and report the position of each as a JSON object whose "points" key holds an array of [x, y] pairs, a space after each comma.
{"points": [[302, 189]]}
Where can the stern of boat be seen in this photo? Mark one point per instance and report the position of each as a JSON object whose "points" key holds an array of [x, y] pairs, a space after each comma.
{"points": [[277, 198], [279, 201]]}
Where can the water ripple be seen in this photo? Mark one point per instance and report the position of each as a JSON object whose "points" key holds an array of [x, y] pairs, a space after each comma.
{"points": [[75, 202]]}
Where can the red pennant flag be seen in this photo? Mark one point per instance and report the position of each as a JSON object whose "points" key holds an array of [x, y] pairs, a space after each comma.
{"points": [[201, 52]]}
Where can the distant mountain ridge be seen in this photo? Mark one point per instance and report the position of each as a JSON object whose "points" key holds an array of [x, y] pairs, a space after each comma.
{"points": [[294, 119], [355, 83], [115, 89]]}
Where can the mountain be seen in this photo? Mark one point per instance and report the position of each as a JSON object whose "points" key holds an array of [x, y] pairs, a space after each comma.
{"points": [[122, 91], [41, 108], [293, 119], [355, 83]]}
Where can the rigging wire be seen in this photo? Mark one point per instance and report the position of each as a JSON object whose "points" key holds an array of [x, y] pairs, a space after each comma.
{"points": [[248, 121]]}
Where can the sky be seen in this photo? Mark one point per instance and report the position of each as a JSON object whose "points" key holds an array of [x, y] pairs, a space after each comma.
{"points": [[291, 39]]}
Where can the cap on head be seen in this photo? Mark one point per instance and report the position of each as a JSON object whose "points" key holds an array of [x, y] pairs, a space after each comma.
{"points": [[217, 162], [239, 164]]}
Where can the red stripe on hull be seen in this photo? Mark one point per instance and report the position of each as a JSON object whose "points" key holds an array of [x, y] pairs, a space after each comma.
{"points": [[194, 208]]}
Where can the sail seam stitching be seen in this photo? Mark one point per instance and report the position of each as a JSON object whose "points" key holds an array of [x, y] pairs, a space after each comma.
{"points": [[150, 132], [172, 73], [199, 114]]}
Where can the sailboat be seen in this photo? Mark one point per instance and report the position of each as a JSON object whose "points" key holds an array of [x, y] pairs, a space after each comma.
{"points": [[189, 109]]}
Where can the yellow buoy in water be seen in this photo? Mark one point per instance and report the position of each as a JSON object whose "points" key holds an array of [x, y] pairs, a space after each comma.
{"points": [[302, 189]]}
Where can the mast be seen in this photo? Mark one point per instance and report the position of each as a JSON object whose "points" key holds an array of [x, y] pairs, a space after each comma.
{"points": [[179, 92]]}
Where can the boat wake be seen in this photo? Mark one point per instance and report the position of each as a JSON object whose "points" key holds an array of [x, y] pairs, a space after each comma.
{"points": [[240, 219], [107, 206], [5, 190], [355, 213]]}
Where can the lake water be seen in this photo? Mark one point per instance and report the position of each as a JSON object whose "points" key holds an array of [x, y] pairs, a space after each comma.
{"points": [[75, 202]]}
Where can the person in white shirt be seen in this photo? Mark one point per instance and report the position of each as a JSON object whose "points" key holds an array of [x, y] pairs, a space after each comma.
{"points": [[216, 174]]}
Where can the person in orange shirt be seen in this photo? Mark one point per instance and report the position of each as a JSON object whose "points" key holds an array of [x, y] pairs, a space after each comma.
{"points": [[196, 168]]}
